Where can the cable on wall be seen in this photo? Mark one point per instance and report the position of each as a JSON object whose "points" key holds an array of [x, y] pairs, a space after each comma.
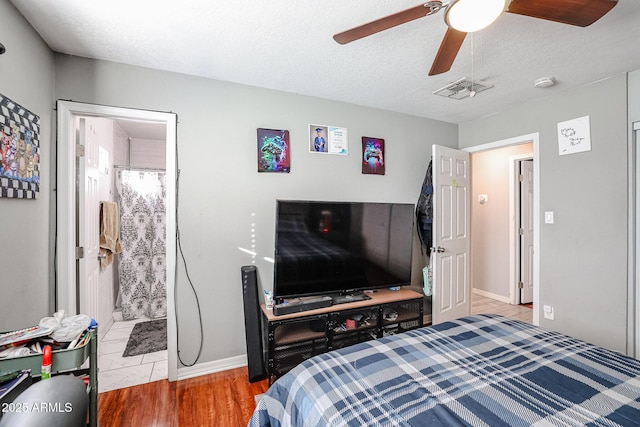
{"points": [[184, 262]]}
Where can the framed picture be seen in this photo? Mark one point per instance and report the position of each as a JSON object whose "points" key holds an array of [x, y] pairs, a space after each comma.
{"points": [[19, 151], [328, 139], [273, 150], [372, 155]]}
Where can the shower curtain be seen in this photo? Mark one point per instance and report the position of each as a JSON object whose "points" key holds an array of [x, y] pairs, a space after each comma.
{"points": [[141, 267]]}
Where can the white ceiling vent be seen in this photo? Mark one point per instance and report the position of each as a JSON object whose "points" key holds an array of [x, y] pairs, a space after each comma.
{"points": [[463, 88]]}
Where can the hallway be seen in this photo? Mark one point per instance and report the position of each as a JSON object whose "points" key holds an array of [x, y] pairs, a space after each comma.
{"points": [[484, 305]]}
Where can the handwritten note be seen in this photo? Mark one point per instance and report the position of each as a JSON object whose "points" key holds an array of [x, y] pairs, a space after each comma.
{"points": [[574, 136]]}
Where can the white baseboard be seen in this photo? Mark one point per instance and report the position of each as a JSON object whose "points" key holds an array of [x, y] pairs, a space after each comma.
{"points": [[491, 295], [212, 367]]}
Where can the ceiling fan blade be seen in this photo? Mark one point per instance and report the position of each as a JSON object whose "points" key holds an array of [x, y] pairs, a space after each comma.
{"points": [[448, 51], [382, 24], [573, 12]]}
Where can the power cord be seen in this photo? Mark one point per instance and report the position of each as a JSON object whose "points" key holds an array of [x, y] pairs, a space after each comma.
{"points": [[184, 262]]}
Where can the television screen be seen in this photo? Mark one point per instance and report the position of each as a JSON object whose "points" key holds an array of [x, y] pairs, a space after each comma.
{"points": [[341, 247]]}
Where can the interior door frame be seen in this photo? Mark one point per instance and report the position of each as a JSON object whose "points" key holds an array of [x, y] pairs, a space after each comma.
{"points": [[534, 138], [633, 305], [67, 111]]}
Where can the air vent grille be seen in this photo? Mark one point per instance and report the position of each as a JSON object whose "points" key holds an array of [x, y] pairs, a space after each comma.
{"points": [[462, 88]]}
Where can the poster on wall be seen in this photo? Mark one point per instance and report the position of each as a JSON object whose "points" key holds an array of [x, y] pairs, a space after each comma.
{"points": [[574, 136], [372, 156], [273, 151], [328, 139], [19, 151]]}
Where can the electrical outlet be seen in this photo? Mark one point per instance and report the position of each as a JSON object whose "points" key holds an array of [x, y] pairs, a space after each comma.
{"points": [[548, 312], [548, 217]]}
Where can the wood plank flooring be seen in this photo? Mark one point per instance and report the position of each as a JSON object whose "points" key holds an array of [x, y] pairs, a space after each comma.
{"points": [[223, 399]]}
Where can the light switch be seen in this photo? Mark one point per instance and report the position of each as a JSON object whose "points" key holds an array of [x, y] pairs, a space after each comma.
{"points": [[548, 217]]}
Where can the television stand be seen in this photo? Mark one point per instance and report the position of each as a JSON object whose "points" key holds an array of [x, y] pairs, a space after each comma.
{"points": [[350, 297], [292, 338]]}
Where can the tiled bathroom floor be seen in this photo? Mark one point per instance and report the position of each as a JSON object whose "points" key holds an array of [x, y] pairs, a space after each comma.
{"points": [[115, 371]]}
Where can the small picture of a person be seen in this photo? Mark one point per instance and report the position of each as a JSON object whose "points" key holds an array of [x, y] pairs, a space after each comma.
{"points": [[319, 142]]}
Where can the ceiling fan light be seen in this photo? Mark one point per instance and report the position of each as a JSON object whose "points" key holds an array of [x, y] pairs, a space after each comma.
{"points": [[472, 15]]}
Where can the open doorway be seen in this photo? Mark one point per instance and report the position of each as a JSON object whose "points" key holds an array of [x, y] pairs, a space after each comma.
{"points": [[77, 290], [502, 263]]}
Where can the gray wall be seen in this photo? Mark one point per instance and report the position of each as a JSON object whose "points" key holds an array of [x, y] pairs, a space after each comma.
{"points": [[26, 76], [223, 198], [583, 256], [634, 96]]}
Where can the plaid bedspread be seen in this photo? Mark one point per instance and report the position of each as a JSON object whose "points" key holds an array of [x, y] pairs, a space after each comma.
{"points": [[483, 370]]}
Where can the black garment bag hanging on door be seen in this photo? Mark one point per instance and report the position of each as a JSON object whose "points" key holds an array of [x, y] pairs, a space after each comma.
{"points": [[424, 225], [424, 211]]}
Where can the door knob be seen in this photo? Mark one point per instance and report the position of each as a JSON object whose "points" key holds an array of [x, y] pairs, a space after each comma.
{"points": [[439, 249], [102, 256]]}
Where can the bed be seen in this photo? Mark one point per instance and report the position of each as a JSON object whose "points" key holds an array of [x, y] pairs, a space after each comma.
{"points": [[483, 370]]}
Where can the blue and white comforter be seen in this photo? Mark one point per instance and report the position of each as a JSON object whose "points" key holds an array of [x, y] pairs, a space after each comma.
{"points": [[483, 370]]}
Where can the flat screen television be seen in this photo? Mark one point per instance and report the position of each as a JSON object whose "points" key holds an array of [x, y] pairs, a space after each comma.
{"points": [[341, 247]]}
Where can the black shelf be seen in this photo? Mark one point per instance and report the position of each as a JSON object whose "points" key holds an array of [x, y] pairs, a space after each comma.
{"points": [[291, 339]]}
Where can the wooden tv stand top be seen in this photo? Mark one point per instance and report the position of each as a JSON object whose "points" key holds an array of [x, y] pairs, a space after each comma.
{"points": [[379, 296]]}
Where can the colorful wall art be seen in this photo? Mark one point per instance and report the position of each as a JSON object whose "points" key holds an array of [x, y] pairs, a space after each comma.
{"points": [[19, 151], [273, 151], [372, 155]]}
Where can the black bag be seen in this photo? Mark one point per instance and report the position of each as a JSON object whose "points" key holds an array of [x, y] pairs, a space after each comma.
{"points": [[424, 211]]}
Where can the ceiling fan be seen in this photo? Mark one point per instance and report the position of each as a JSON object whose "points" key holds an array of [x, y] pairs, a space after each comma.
{"points": [[480, 14]]}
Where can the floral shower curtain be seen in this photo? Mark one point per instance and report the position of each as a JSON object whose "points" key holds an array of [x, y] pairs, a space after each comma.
{"points": [[141, 196]]}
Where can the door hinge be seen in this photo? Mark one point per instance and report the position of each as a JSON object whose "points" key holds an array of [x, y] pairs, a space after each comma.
{"points": [[521, 178], [79, 150], [521, 231], [79, 252], [521, 285]]}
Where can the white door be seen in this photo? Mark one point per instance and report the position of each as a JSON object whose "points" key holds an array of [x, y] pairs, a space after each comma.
{"points": [[88, 214], [451, 222], [526, 231]]}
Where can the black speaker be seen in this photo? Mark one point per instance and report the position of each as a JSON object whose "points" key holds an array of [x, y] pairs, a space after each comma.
{"points": [[252, 325]]}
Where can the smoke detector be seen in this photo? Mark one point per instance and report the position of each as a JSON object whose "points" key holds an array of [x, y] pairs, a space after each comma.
{"points": [[463, 88], [543, 82]]}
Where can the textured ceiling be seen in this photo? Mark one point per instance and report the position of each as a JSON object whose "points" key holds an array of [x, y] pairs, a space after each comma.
{"points": [[287, 45], [143, 129]]}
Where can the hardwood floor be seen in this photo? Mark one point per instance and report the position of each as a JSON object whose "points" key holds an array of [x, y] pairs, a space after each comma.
{"points": [[223, 399]]}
